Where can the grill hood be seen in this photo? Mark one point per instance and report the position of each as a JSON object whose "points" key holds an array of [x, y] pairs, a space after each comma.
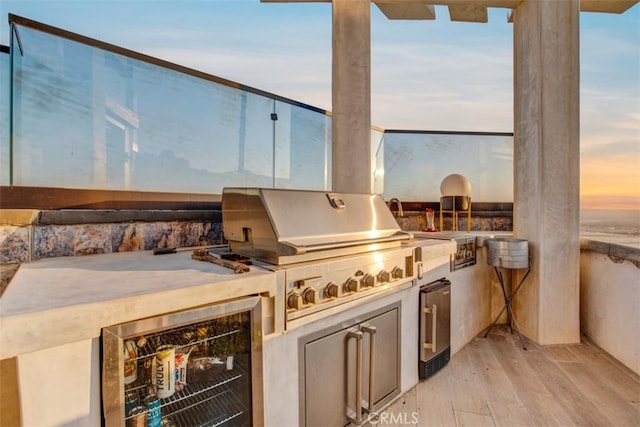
{"points": [[287, 226]]}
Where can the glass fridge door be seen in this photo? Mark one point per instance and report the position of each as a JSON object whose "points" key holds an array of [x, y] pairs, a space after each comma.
{"points": [[198, 367]]}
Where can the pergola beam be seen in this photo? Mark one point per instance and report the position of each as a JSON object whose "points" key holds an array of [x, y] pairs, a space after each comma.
{"points": [[606, 6], [415, 11], [467, 10], [510, 4]]}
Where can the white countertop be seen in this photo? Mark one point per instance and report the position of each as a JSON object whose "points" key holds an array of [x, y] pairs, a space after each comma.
{"points": [[432, 248], [480, 236], [62, 300]]}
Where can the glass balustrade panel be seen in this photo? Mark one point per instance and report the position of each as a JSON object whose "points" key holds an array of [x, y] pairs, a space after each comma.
{"points": [[416, 163]]}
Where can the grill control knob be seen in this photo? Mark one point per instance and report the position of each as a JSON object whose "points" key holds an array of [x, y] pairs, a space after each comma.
{"points": [[294, 300], [351, 285], [331, 290], [368, 280], [384, 276], [397, 273], [309, 296]]}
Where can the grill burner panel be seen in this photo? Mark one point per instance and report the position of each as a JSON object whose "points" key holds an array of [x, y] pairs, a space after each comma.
{"points": [[319, 285]]}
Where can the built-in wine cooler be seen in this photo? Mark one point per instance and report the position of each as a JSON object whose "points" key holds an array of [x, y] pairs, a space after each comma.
{"points": [[200, 367]]}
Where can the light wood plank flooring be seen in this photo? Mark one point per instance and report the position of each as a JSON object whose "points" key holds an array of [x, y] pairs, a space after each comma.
{"points": [[494, 382]]}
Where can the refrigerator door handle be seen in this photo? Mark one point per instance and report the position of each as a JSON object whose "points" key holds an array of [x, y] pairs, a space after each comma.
{"points": [[357, 335], [434, 328], [371, 330]]}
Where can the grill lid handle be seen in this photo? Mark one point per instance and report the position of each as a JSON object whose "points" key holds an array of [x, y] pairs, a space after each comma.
{"points": [[287, 248], [336, 201]]}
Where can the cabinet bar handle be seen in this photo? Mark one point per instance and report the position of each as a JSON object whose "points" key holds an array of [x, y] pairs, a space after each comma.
{"points": [[434, 328], [371, 330], [357, 335]]}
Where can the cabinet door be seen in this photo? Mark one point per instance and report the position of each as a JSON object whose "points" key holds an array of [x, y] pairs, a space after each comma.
{"points": [[332, 368], [330, 371], [386, 366]]}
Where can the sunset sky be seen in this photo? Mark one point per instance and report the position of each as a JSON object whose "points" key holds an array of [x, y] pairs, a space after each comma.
{"points": [[428, 75]]}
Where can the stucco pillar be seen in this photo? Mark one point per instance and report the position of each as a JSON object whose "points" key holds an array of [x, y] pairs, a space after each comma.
{"points": [[547, 176], [352, 169]]}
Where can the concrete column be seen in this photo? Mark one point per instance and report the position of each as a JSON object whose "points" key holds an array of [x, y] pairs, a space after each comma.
{"points": [[547, 162], [352, 169]]}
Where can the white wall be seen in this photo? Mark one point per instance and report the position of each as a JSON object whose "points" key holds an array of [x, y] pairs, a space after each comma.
{"points": [[610, 306], [60, 386], [472, 291]]}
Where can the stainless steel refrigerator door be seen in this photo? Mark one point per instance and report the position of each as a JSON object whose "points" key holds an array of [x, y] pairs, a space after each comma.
{"points": [[435, 333]]}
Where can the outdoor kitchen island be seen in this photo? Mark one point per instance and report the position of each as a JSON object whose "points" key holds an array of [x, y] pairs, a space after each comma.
{"points": [[53, 312]]}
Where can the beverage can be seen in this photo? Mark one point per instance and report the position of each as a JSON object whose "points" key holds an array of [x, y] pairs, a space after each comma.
{"points": [[137, 417], [130, 401], [130, 362], [182, 359], [163, 371], [154, 412]]}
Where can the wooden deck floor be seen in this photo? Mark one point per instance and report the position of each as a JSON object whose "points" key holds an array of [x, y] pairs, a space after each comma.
{"points": [[494, 382]]}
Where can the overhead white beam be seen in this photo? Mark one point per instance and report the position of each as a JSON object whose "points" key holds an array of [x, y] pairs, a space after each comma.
{"points": [[405, 10], [607, 6], [468, 12], [510, 4], [483, 3]]}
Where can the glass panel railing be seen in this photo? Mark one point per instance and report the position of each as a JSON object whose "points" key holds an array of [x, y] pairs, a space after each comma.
{"points": [[88, 118], [415, 163], [302, 148], [88, 115], [52, 117]]}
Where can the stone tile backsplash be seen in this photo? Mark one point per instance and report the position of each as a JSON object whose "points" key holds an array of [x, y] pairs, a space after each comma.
{"points": [[14, 244], [53, 240], [32, 242], [26, 243], [416, 221]]}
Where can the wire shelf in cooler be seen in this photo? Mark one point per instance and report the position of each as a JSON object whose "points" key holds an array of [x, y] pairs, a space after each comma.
{"points": [[206, 385], [214, 408], [203, 386], [152, 343]]}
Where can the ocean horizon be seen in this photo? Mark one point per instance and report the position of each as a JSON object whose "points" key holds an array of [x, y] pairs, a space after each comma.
{"points": [[610, 221], [611, 225]]}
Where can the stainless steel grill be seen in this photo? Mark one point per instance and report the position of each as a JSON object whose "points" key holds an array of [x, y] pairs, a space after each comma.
{"points": [[289, 226], [331, 248]]}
